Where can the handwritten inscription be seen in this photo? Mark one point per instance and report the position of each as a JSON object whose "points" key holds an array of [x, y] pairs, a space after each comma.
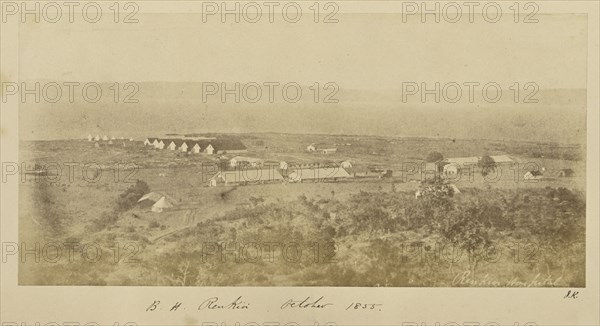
{"points": [[215, 303], [212, 303], [571, 295], [364, 306], [306, 303], [240, 303]]}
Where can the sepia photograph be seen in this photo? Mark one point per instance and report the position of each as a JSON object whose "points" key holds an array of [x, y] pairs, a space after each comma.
{"points": [[199, 161], [371, 182]]}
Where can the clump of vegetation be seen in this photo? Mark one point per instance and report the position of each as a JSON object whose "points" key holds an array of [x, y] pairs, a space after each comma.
{"points": [[129, 197], [433, 157], [125, 202], [366, 234], [487, 164]]}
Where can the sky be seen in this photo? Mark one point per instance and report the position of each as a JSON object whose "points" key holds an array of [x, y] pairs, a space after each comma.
{"points": [[361, 51], [371, 54]]}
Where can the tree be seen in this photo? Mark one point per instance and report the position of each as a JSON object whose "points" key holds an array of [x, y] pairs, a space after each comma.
{"points": [[486, 163], [433, 157], [129, 198], [486, 160]]}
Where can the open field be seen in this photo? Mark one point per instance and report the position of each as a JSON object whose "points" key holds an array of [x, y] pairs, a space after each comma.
{"points": [[366, 219]]}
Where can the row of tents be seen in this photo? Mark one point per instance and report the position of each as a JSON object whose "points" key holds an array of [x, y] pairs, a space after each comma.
{"points": [[197, 146], [104, 138]]}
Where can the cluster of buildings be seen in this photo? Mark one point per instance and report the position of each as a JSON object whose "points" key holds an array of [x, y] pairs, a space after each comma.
{"points": [[451, 167], [244, 161], [274, 175], [197, 146]]}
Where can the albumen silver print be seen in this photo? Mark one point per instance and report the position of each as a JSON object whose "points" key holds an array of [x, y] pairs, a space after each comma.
{"points": [[229, 158]]}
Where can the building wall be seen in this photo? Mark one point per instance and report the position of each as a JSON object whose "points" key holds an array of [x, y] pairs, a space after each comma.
{"points": [[230, 151]]}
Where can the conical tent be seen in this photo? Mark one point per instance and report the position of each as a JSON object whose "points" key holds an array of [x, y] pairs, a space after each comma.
{"points": [[160, 205]]}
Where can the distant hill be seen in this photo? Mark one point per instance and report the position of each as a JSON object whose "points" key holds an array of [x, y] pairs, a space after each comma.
{"points": [[166, 107]]}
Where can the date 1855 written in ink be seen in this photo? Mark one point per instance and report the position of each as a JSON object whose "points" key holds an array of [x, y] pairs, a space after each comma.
{"points": [[364, 306]]}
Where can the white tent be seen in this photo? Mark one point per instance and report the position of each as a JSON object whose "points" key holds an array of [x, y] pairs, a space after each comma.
{"points": [[160, 205], [160, 201]]}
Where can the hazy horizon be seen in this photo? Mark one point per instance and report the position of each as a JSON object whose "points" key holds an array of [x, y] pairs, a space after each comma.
{"points": [[163, 108], [368, 55]]}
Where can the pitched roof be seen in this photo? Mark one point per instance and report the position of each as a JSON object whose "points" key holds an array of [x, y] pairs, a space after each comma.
{"points": [[179, 142], [322, 173], [247, 159], [535, 173], [501, 159], [249, 175], [153, 196], [463, 160], [162, 203], [203, 144]]}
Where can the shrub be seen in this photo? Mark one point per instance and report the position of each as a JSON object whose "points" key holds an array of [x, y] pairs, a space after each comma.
{"points": [[434, 157], [129, 197]]}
